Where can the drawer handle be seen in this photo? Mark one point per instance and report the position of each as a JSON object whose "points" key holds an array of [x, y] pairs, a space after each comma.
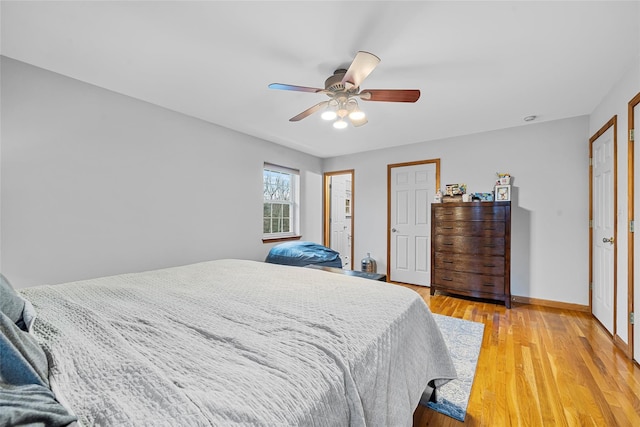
{"points": [[447, 279], [489, 265], [446, 261], [448, 244], [447, 228], [447, 213], [489, 228], [488, 284], [489, 246]]}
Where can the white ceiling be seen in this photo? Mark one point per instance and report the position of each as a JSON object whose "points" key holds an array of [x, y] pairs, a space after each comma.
{"points": [[479, 65]]}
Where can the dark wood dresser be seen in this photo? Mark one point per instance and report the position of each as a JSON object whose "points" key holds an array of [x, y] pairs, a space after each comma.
{"points": [[471, 249]]}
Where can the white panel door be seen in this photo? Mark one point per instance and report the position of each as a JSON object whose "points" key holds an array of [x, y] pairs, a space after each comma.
{"points": [[412, 190], [636, 235], [603, 229]]}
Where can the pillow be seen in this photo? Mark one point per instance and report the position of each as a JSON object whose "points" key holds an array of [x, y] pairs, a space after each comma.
{"points": [[25, 396], [11, 304]]}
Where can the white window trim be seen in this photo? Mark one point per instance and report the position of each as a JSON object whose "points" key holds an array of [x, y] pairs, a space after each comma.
{"points": [[295, 202]]}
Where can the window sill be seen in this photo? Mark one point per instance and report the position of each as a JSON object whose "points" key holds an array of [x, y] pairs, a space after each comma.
{"points": [[280, 239]]}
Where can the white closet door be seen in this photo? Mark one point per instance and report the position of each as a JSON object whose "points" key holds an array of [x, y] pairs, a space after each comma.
{"points": [[603, 229], [412, 190]]}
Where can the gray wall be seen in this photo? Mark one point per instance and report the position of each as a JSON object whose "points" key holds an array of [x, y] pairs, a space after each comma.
{"points": [[550, 200], [95, 183]]}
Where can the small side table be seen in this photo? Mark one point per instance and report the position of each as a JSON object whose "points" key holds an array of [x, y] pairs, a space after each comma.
{"points": [[372, 276]]}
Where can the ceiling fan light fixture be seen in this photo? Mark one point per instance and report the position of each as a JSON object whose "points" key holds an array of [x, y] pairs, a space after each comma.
{"points": [[343, 87], [357, 114], [354, 110], [340, 124], [328, 115]]}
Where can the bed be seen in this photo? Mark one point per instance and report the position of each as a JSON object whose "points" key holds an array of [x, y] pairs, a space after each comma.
{"points": [[237, 342]]}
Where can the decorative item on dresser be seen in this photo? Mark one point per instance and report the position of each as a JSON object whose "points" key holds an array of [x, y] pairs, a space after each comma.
{"points": [[471, 249]]}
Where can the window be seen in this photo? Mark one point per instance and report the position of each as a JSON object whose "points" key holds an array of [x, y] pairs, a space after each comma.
{"points": [[281, 199]]}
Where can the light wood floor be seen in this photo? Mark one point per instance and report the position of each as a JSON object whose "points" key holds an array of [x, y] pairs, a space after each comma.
{"points": [[541, 366]]}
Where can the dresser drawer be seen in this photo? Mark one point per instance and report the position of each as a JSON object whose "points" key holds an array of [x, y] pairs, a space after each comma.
{"points": [[470, 228], [493, 265], [468, 281], [474, 212], [469, 245]]}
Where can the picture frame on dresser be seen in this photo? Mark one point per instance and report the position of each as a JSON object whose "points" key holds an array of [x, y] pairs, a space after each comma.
{"points": [[503, 193]]}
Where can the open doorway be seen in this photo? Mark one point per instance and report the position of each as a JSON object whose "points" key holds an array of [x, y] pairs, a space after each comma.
{"points": [[338, 214]]}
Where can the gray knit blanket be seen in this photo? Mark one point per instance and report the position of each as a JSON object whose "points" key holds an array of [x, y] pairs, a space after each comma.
{"points": [[235, 342]]}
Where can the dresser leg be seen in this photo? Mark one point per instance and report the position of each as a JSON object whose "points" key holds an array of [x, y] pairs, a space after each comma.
{"points": [[432, 290]]}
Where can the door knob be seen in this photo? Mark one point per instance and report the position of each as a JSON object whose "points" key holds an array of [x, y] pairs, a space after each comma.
{"points": [[609, 240], [393, 230]]}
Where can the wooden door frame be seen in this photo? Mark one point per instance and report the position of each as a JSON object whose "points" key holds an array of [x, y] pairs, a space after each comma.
{"points": [[389, 168], [631, 214], [613, 122], [326, 207]]}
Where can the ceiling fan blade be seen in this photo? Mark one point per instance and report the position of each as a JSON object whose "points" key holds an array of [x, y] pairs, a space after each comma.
{"points": [[390, 95], [309, 111], [282, 86], [363, 64], [358, 123]]}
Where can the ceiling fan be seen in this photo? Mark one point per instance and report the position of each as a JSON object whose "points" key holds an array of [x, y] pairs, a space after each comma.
{"points": [[343, 89]]}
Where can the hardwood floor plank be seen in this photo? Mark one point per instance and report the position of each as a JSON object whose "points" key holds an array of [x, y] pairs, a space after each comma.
{"points": [[541, 366], [549, 394]]}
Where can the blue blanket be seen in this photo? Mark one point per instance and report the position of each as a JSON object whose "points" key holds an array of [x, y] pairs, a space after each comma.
{"points": [[303, 253]]}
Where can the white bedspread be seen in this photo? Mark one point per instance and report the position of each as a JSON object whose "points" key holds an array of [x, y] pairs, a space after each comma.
{"points": [[233, 342]]}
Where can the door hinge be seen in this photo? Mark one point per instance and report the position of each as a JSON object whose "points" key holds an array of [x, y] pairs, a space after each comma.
{"points": [[591, 286], [632, 318], [590, 223], [632, 225], [631, 134], [590, 161]]}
